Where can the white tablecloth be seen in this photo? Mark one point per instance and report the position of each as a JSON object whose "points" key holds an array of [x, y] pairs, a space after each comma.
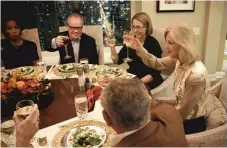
{"points": [[51, 131]]}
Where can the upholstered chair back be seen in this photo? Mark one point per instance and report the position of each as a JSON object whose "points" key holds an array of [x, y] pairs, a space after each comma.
{"points": [[158, 34], [96, 32], [33, 35]]}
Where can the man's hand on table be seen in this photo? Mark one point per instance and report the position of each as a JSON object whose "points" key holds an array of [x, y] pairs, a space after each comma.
{"points": [[26, 129]]}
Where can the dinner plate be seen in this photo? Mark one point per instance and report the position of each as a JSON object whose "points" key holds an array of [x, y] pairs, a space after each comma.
{"points": [[61, 139], [75, 133], [110, 71], [67, 68], [23, 70]]}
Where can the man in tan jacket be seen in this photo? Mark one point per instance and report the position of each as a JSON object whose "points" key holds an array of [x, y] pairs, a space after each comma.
{"points": [[138, 120]]}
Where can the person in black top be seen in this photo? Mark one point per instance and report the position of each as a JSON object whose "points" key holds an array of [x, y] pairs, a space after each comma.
{"points": [[142, 28], [80, 44], [15, 51]]}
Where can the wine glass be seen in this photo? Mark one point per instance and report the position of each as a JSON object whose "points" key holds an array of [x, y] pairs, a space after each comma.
{"points": [[110, 41], [128, 39], [66, 42], [24, 108]]}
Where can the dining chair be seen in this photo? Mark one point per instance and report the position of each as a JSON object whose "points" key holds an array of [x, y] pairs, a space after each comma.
{"points": [[96, 32], [33, 35]]}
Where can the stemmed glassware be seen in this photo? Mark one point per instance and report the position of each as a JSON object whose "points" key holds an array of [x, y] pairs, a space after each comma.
{"points": [[66, 42], [110, 40], [128, 39], [24, 108]]}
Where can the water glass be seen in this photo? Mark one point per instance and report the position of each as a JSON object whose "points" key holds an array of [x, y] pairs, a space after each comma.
{"points": [[81, 106], [42, 67], [84, 61], [24, 108]]}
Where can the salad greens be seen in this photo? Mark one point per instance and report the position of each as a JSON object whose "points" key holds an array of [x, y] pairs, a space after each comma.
{"points": [[85, 138]]}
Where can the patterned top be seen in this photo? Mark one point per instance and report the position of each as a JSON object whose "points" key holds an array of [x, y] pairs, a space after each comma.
{"points": [[190, 83]]}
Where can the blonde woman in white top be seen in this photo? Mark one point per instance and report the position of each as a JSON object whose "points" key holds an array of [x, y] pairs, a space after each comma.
{"points": [[190, 74]]}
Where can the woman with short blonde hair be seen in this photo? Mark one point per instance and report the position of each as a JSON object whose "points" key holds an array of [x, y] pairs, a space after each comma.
{"points": [[184, 37], [190, 74]]}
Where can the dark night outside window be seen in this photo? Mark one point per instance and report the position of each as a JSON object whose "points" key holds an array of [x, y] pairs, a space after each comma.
{"points": [[47, 16]]}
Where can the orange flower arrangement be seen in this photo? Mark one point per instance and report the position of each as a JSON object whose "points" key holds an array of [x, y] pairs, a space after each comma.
{"points": [[14, 85]]}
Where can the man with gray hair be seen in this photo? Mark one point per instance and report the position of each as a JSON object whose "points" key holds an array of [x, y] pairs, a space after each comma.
{"points": [[80, 45], [138, 120]]}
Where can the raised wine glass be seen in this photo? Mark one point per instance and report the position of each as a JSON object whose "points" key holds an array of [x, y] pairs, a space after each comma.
{"points": [[128, 39], [110, 41], [24, 108], [66, 42]]}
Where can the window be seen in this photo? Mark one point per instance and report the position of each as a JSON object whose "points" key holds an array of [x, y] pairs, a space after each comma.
{"points": [[52, 14]]}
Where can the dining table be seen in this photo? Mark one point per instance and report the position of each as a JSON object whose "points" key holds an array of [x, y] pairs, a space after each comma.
{"points": [[62, 107], [50, 131], [61, 110], [64, 89]]}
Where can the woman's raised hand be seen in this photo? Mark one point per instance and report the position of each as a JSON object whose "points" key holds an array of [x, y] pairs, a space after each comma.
{"points": [[110, 42], [136, 45]]}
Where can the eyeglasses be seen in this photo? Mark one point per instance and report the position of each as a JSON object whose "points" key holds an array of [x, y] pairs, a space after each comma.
{"points": [[75, 28], [137, 27]]}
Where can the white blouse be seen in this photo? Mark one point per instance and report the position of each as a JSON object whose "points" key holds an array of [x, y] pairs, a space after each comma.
{"points": [[190, 83]]}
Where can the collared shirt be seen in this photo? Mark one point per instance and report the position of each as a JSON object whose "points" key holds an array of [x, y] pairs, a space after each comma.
{"points": [[75, 45], [190, 83], [114, 139]]}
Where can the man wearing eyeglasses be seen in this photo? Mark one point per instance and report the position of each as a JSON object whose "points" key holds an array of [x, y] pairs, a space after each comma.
{"points": [[80, 45]]}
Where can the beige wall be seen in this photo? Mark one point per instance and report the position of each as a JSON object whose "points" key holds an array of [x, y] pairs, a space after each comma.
{"points": [[194, 19], [208, 43], [221, 56], [215, 39]]}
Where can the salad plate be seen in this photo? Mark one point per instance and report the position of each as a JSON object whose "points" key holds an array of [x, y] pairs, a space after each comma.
{"points": [[111, 71], [86, 133], [84, 136], [22, 70], [67, 68]]}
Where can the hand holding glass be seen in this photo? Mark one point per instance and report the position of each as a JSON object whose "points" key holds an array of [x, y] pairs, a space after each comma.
{"points": [[24, 108], [110, 41], [65, 40]]}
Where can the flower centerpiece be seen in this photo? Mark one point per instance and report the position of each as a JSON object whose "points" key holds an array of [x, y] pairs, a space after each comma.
{"points": [[15, 87]]}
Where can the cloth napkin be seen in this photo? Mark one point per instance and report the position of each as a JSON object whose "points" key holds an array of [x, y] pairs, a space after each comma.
{"points": [[94, 92]]}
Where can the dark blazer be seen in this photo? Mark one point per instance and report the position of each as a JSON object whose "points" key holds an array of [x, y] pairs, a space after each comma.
{"points": [[164, 130], [87, 50]]}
